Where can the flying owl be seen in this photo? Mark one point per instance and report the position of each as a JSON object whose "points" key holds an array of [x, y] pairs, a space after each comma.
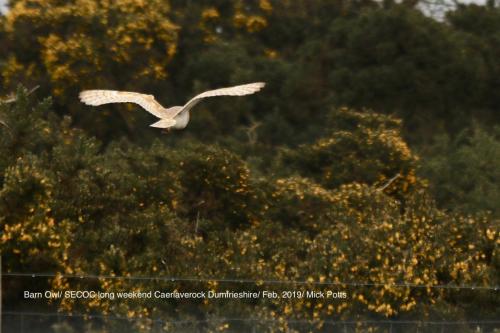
{"points": [[174, 117]]}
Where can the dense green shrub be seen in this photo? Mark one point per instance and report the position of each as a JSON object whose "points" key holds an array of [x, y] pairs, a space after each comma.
{"points": [[464, 171]]}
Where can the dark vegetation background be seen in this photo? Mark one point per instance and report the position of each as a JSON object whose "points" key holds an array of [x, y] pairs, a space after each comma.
{"points": [[287, 184]]}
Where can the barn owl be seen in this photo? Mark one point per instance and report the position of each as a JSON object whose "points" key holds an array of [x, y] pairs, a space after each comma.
{"points": [[174, 117]]}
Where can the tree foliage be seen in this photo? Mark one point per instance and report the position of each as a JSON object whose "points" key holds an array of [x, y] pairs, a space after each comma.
{"points": [[369, 161], [463, 171], [73, 206]]}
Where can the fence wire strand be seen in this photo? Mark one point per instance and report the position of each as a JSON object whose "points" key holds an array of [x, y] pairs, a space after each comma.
{"points": [[250, 281], [229, 319]]}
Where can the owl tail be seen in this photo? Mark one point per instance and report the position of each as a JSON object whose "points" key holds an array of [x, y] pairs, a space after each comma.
{"points": [[164, 123]]}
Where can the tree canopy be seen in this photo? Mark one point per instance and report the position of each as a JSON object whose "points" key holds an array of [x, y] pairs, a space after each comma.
{"points": [[369, 163]]}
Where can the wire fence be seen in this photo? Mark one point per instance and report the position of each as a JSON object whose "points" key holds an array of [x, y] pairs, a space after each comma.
{"points": [[59, 322], [494, 288], [18, 321]]}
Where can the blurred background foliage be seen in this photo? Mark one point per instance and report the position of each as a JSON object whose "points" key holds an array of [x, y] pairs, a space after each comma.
{"points": [[372, 155]]}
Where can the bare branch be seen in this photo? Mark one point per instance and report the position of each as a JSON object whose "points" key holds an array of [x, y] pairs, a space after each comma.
{"points": [[389, 182]]}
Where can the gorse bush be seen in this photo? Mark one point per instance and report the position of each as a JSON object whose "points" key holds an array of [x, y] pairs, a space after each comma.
{"points": [[70, 205], [370, 157], [363, 147]]}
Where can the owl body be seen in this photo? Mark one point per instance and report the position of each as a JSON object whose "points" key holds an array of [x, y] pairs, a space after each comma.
{"points": [[181, 120]]}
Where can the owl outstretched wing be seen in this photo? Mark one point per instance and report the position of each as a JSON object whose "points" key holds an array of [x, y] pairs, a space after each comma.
{"points": [[100, 97], [241, 90]]}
